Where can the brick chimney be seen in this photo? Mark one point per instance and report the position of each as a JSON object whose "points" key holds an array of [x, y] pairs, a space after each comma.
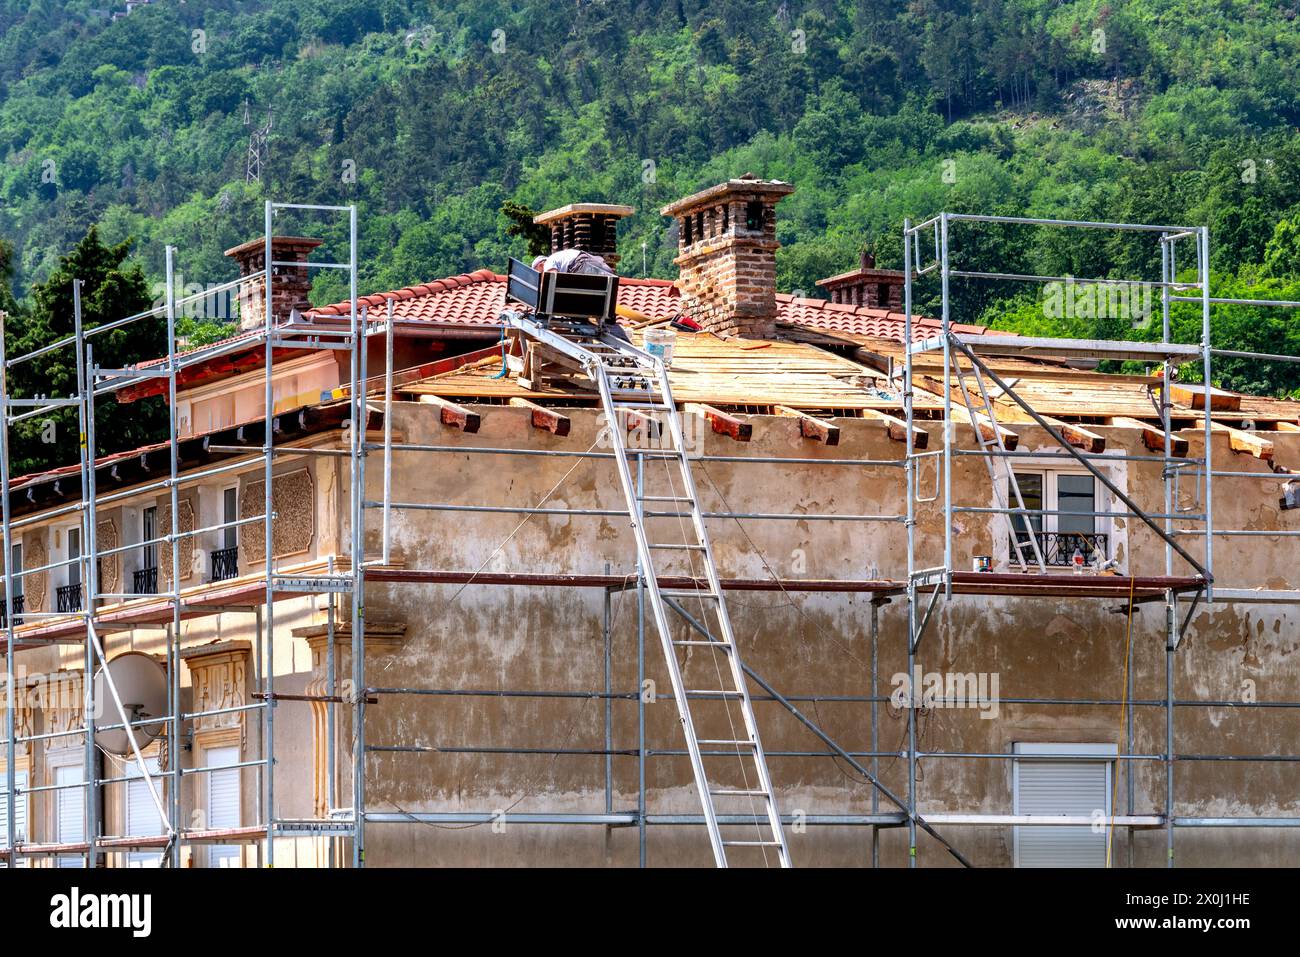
{"points": [[727, 255], [867, 286], [289, 286], [590, 227]]}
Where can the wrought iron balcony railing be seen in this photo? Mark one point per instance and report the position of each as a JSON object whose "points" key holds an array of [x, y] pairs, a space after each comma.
{"points": [[1058, 548], [68, 598], [144, 581], [225, 563], [18, 611]]}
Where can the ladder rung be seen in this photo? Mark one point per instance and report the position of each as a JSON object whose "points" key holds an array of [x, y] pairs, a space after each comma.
{"points": [[724, 694], [687, 593], [667, 498], [751, 843], [738, 792], [708, 644], [649, 406], [686, 548], [721, 742]]}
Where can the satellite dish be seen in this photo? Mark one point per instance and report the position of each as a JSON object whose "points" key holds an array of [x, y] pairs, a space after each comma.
{"points": [[141, 685]]}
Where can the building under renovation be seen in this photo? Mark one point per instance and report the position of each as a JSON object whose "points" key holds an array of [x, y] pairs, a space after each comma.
{"points": [[496, 571]]}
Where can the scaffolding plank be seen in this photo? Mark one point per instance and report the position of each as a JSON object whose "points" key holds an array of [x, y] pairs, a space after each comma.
{"points": [[1064, 348]]}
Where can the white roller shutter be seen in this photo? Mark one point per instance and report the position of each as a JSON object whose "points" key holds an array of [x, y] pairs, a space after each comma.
{"points": [[20, 809], [70, 812], [1062, 787], [223, 803], [142, 818]]}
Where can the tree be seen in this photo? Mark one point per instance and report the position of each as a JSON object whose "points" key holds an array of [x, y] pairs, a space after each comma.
{"points": [[522, 226], [111, 289]]}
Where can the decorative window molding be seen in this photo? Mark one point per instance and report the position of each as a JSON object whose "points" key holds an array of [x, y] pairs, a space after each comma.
{"points": [[219, 679]]}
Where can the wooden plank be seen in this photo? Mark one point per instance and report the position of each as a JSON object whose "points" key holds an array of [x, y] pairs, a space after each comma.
{"points": [[811, 428], [723, 423], [1251, 443], [454, 415], [1153, 436], [548, 420], [1288, 427], [1192, 396], [897, 428]]}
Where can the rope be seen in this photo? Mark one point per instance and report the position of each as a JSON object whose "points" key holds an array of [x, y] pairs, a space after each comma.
{"points": [[502, 373]]}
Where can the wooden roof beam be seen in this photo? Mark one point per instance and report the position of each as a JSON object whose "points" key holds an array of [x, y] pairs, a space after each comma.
{"points": [[1251, 443], [988, 429], [723, 423], [1077, 435], [1153, 437], [897, 428], [810, 428], [548, 420], [642, 421], [457, 416]]}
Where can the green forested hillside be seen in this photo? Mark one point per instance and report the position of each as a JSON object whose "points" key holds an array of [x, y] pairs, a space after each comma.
{"points": [[431, 115]]}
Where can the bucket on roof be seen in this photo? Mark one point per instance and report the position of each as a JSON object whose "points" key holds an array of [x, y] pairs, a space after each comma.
{"points": [[661, 342]]}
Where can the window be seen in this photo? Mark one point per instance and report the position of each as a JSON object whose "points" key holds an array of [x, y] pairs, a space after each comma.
{"points": [[145, 579], [70, 812], [1060, 537], [149, 532], [68, 597], [20, 810], [223, 802], [142, 819], [230, 513], [1062, 786], [74, 556]]}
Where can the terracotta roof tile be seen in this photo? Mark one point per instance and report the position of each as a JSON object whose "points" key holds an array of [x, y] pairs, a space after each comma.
{"points": [[478, 298]]}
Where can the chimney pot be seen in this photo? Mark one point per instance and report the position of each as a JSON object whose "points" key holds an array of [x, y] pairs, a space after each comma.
{"points": [[867, 285], [289, 284], [591, 227]]}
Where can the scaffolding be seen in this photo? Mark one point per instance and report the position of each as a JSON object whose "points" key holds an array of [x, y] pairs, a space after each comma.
{"points": [[1187, 583]]}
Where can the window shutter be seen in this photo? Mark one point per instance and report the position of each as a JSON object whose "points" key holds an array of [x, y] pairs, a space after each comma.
{"points": [[223, 788], [20, 810], [223, 803], [1054, 788], [141, 814], [70, 810]]}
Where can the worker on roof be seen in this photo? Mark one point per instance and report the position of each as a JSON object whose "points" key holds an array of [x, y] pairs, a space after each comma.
{"points": [[573, 260]]}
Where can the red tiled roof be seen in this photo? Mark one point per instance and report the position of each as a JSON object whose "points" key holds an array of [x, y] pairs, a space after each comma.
{"points": [[478, 298]]}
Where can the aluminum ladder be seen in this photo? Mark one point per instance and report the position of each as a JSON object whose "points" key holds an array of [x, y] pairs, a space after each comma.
{"points": [[995, 448], [632, 382]]}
